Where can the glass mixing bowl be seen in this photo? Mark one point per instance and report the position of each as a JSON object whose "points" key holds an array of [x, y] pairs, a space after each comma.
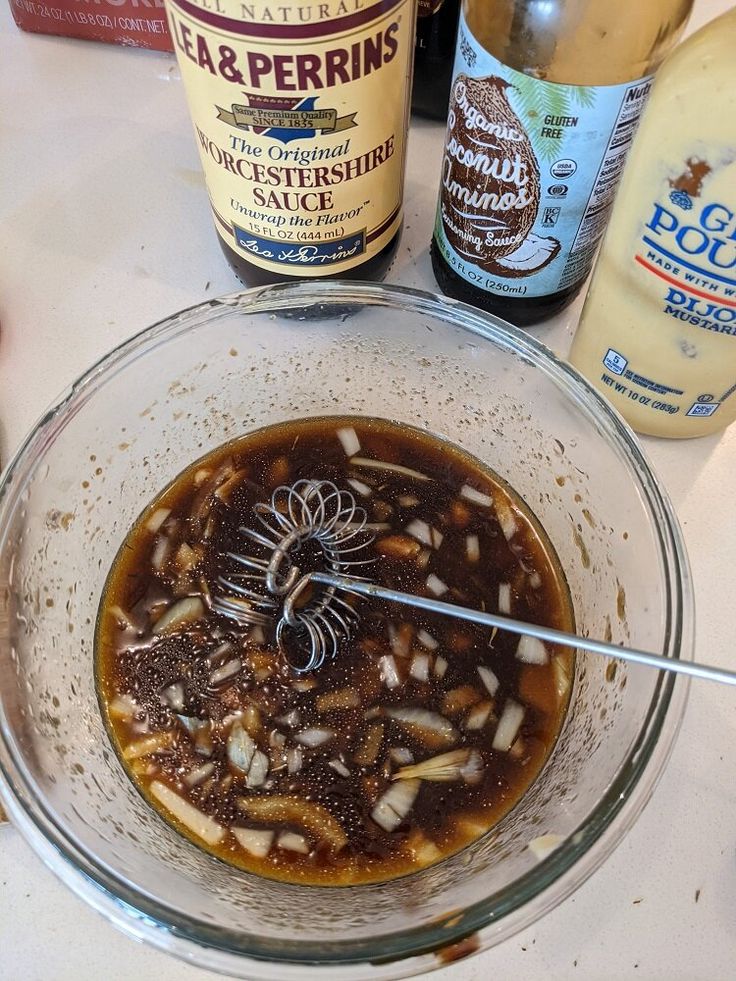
{"points": [[162, 399]]}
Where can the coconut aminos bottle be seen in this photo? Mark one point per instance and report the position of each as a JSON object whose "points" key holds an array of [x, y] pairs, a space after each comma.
{"points": [[300, 112], [545, 100]]}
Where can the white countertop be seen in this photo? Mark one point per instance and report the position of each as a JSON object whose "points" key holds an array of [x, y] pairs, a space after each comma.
{"points": [[105, 229]]}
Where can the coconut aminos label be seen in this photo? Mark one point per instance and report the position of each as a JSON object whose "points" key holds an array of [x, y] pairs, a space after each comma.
{"points": [[300, 114], [529, 173]]}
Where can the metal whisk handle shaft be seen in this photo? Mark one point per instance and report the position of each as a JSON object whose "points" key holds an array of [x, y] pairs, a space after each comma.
{"points": [[370, 590]]}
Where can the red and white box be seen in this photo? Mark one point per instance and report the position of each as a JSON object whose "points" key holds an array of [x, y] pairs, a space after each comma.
{"points": [[141, 23]]}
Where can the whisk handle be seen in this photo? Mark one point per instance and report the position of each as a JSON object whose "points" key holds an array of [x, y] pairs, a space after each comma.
{"points": [[692, 668]]}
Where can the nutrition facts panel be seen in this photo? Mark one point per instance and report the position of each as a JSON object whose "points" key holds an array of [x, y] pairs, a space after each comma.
{"points": [[601, 198]]}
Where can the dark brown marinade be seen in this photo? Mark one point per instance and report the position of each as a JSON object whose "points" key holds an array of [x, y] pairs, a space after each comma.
{"points": [[188, 717]]}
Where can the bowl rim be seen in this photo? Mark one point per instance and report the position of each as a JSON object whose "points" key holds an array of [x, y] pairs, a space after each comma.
{"points": [[494, 918]]}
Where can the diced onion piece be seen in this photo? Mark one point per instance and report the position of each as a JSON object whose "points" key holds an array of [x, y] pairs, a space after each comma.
{"points": [[361, 461], [420, 667], [219, 654], [261, 663], [518, 750], [423, 850], [478, 716], [123, 707], [458, 764], [186, 610], [199, 824], [339, 767], [392, 808], [437, 537], [420, 530], [251, 719], [292, 842], [508, 726], [458, 699], [488, 678], [228, 670], [531, 650], [359, 487], [173, 696], [294, 760], [314, 737], [506, 517], [400, 638], [369, 748], [423, 558], [160, 552], [291, 718], [200, 476], [440, 666], [343, 698], [472, 548], [562, 673], [435, 585], [124, 619], [240, 748], [401, 755], [258, 770], [433, 729], [407, 501], [389, 673], [427, 640], [203, 740], [149, 745], [255, 841], [303, 684], [191, 724], [157, 519], [276, 739], [504, 597], [290, 809], [369, 526], [199, 774], [257, 636], [186, 557], [349, 440], [398, 547], [544, 845], [475, 496], [246, 757], [225, 490], [535, 580]]}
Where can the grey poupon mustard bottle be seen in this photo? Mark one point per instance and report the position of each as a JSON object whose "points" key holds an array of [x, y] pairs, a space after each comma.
{"points": [[658, 331], [300, 112], [545, 100]]}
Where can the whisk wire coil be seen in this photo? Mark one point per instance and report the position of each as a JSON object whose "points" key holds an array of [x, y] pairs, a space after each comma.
{"points": [[270, 593]]}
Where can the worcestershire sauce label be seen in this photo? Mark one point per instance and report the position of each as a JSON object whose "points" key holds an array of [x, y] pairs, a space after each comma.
{"points": [[300, 114], [529, 172]]}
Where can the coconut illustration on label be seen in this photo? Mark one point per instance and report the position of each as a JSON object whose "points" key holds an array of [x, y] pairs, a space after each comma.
{"points": [[491, 183]]}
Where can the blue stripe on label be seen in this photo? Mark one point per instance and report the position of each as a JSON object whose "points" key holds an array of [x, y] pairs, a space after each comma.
{"points": [[688, 265], [317, 254]]}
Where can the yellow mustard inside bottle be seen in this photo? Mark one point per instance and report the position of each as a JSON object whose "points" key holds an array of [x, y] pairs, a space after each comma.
{"points": [[658, 331], [300, 113]]}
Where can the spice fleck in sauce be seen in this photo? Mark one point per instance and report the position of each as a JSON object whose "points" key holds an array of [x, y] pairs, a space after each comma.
{"points": [[417, 738]]}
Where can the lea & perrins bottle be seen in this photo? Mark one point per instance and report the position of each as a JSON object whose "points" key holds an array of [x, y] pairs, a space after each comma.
{"points": [[657, 335], [545, 101], [300, 112]]}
